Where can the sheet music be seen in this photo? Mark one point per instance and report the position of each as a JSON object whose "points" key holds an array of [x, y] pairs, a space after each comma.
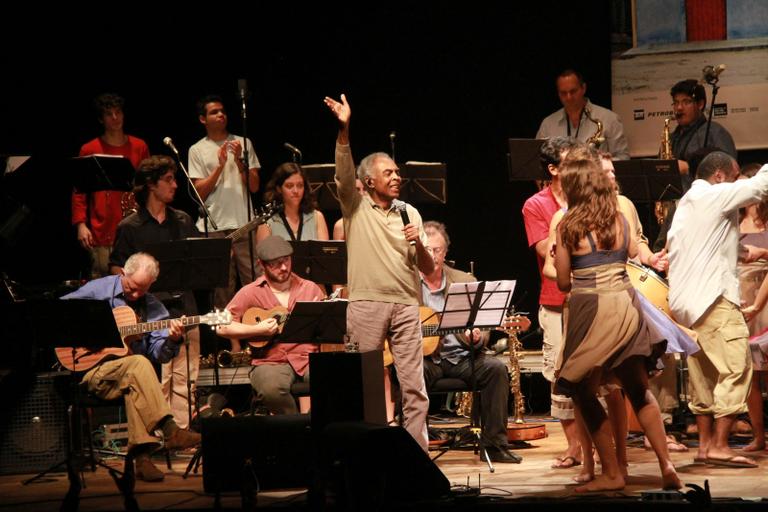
{"points": [[494, 303]]}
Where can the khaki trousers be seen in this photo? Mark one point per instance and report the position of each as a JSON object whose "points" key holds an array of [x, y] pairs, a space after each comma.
{"points": [[132, 378]]}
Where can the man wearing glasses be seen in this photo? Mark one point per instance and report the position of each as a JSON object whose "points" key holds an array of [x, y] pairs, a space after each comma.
{"points": [[282, 364], [688, 102]]}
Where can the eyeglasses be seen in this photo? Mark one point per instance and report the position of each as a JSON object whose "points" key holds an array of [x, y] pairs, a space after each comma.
{"points": [[279, 262], [682, 103], [168, 179]]}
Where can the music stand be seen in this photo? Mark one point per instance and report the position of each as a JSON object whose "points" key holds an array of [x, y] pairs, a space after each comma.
{"points": [[321, 261], [483, 305], [322, 182], [424, 182], [316, 322], [192, 264], [50, 324], [101, 172], [524, 161], [648, 181]]}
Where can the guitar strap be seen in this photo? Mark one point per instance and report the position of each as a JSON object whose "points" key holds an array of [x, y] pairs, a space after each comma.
{"points": [[288, 228]]}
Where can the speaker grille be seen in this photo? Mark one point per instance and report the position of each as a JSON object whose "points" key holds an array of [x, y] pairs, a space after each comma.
{"points": [[33, 424]]}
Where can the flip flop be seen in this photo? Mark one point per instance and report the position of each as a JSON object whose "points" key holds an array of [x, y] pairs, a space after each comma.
{"points": [[564, 464], [731, 462], [699, 460]]}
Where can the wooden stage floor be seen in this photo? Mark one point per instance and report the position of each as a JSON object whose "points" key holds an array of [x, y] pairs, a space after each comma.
{"points": [[533, 479]]}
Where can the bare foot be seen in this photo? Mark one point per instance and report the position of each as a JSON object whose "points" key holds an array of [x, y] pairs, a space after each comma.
{"points": [[669, 479], [603, 483], [584, 476], [757, 445]]}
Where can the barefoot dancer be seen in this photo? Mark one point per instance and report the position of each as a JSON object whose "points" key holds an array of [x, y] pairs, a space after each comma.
{"points": [[607, 337]]}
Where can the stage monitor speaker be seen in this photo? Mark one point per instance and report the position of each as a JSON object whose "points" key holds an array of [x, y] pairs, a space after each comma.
{"points": [[33, 423], [275, 450], [347, 387], [369, 467]]}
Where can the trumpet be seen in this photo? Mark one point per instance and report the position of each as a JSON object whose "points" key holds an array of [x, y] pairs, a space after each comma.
{"points": [[229, 359]]}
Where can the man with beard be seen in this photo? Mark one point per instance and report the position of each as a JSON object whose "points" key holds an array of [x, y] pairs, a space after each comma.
{"points": [[283, 363]]}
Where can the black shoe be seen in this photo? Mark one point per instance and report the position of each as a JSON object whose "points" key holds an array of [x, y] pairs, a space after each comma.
{"points": [[501, 455]]}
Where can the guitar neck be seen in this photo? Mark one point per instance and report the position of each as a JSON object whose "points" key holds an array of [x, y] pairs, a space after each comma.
{"points": [[145, 327]]}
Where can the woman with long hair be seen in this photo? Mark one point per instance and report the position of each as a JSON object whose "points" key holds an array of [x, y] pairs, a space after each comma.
{"points": [[607, 337], [299, 218]]}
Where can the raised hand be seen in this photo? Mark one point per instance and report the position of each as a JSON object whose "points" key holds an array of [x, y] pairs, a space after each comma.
{"points": [[342, 111]]}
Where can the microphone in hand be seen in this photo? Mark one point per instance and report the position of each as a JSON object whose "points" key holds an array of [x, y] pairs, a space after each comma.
{"points": [[400, 206]]}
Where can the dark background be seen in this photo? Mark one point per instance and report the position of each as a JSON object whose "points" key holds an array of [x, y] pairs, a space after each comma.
{"points": [[454, 83]]}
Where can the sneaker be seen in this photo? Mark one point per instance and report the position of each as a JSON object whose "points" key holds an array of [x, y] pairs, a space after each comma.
{"points": [[182, 439], [147, 471]]}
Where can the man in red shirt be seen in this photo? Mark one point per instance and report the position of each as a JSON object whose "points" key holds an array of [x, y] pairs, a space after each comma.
{"points": [[284, 363], [538, 211], [97, 214]]}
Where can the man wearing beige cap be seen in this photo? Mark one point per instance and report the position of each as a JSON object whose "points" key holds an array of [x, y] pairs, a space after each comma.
{"points": [[282, 364]]}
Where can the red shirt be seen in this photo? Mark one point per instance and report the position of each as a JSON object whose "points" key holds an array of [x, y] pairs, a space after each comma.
{"points": [[538, 211], [258, 294], [101, 211]]}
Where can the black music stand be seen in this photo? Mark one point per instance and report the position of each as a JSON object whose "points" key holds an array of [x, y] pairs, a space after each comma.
{"points": [[192, 264], [483, 305], [320, 261], [54, 324], [316, 322], [101, 172], [524, 161], [648, 181], [424, 182], [322, 183]]}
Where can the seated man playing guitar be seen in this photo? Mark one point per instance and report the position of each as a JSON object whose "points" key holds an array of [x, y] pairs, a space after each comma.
{"points": [[132, 376], [451, 358], [277, 290]]}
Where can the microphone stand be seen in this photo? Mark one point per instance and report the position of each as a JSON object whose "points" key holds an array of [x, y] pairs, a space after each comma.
{"points": [[715, 88], [243, 88], [202, 208]]}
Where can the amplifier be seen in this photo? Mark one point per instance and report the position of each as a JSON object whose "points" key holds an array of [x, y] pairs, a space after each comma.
{"points": [[33, 424]]}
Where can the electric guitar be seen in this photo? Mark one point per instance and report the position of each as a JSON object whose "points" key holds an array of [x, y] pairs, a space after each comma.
{"points": [[430, 334], [81, 359]]}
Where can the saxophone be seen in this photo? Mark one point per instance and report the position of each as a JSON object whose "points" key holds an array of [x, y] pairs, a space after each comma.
{"points": [[597, 139], [128, 203], [661, 208], [514, 384]]}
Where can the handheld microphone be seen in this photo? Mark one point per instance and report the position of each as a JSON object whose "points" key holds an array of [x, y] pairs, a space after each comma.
{"points": [[293, 149], [168, 142], [400, 206], [712, 73]]}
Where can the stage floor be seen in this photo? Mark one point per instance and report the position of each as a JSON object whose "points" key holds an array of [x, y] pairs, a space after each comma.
{"points": [[533, 479]]}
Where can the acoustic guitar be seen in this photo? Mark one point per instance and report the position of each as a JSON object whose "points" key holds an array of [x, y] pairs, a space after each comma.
{"points": [[430, 334], [253, 316], [81, 359]]}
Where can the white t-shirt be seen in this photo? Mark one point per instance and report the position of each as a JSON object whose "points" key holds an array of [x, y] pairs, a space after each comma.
{"points": [[227, 202]]}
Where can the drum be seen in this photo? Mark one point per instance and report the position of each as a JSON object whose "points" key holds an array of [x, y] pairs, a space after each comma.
{"points": [[650, 284]]}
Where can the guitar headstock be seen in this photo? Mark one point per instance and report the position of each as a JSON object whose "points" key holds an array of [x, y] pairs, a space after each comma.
{"points": [[217, 317], [268, 210], [516, 322]]}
